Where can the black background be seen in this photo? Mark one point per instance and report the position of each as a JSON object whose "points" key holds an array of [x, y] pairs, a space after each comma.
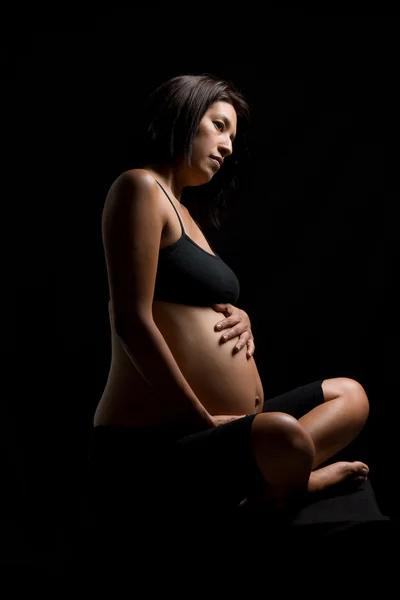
{"points": [[313, 237]]}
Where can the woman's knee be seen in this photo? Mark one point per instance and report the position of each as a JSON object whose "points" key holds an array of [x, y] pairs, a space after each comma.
{"points": [[280, 433], [352, 392]]}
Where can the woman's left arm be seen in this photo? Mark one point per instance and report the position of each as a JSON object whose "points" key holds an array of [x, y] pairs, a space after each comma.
{"points": [[238, 323]]}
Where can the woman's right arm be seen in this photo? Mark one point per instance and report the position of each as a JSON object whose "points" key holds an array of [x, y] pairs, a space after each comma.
{"points": [[132, 224]]}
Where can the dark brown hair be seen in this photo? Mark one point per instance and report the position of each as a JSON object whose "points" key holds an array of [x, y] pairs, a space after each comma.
{"points": [[171, 118]]}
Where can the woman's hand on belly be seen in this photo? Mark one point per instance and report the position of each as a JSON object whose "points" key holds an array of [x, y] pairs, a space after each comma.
{"points": [[224, 381], [237, 322]]}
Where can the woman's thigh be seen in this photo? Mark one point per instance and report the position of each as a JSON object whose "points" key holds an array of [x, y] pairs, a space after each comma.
{"points": [[298, 401], [216, 468]]}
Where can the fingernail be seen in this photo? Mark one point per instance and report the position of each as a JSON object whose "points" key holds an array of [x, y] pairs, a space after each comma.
{"points": [[219, 326]]}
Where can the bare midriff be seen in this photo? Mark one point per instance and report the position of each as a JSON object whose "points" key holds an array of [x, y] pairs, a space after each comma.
{"points": [[225, 382]]}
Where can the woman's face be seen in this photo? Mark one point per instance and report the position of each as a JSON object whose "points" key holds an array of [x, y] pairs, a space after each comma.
{"points": [[213, 141]]}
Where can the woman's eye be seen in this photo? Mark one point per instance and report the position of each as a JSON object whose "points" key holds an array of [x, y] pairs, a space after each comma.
{"points": [[219, 125]]}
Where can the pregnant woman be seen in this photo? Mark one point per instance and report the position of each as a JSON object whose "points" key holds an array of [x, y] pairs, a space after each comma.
{"points": [[183, 421]]}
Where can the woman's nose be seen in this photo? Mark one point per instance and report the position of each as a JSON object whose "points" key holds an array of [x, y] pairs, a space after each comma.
{"points": [[225, 148]]}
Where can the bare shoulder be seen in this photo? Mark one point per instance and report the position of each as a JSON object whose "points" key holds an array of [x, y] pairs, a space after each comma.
{"points": [[132, 189], [131, 182], [133, 208], [136, 176]]}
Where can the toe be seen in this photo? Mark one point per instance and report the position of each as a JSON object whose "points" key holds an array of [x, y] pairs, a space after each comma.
{"points": [[360, 467]]}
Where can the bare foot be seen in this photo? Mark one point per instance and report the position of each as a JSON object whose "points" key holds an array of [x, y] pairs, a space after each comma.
{"points": [[339, 472], [275, 499]]}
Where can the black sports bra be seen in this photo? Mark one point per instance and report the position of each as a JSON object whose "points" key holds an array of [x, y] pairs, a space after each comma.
{"points": [[188, 274]]}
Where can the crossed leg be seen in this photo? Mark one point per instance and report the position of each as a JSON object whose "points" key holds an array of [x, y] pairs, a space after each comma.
{"points": [[332, 426], [290, 452]]}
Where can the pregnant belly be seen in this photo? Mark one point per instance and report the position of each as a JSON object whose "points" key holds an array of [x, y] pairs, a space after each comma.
{"points": [[223, 381]]}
